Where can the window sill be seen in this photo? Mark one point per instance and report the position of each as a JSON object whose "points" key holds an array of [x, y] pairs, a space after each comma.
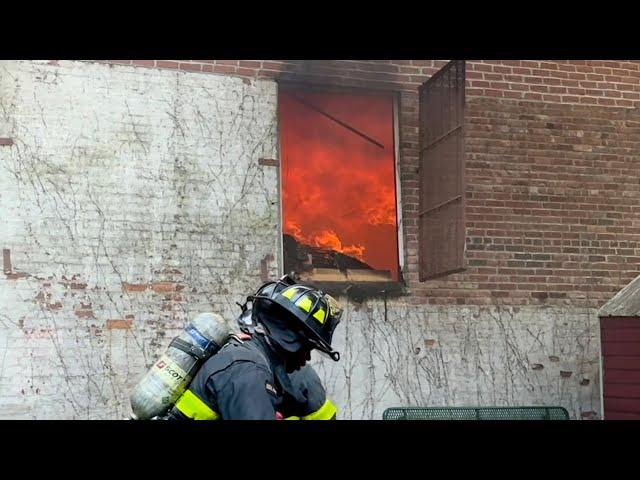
{"points": [[360, 291]]}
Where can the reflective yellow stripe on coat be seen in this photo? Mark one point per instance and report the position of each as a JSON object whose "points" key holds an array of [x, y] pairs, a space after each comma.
{"points": [[328, 411], [191, 405]]}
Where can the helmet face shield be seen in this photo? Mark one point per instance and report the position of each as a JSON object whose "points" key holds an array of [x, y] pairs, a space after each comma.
{"points": [[246, 323]]}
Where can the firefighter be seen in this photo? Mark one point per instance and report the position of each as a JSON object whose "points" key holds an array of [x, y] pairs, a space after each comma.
{"points": [[316, 405], [250, 379]]}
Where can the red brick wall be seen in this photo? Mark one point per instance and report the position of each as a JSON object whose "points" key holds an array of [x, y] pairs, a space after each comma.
{"points": [[553, 201], [552, 171]]}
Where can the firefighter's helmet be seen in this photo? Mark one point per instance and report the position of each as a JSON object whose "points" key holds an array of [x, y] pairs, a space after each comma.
{"points": [[313, 313]]}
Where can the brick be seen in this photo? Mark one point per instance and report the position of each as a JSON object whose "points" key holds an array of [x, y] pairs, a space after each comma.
{"points": [[224, 69], [16, 275], [249, 72], [191, 67], [277, 66], [253, 64], [144, 63], [164, 287], [119, 324], [492, 93], [480, 67], [132, 287], [167, 64], [270, 162], [502, 69], [549, 65], [606, 101]]}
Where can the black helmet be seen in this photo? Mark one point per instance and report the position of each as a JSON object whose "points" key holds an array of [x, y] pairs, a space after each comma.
{"points": [[315, 312], [247, 320]]}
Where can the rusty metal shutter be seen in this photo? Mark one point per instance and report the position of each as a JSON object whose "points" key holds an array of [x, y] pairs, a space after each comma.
{"points": [[441, 172]]}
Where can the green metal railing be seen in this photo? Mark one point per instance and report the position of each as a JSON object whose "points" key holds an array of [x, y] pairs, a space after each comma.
{"points": [[476, 413]]}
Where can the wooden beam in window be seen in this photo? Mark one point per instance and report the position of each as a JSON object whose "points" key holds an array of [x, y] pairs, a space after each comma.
{"points": [[339, 122]]}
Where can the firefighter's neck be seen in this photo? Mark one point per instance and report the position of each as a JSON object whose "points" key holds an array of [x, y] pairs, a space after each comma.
{"points": [[274, 347]]}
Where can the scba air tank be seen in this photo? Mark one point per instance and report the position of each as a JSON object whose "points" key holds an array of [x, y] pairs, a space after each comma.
{"points": [[167, 379]]}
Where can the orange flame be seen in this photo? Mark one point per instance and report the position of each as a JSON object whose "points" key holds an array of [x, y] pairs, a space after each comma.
{"points": [[292, 228], [325, 239], [339, 187], [330, 239], [354, 251], [384, 212]]}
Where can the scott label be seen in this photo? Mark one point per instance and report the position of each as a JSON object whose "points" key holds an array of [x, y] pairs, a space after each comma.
{"points": [[170, 372]]}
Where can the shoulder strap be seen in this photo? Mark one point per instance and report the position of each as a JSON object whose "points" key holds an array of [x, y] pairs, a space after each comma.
{"points": [[194, 350]]}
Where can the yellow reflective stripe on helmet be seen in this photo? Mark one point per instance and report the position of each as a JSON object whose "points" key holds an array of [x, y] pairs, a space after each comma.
{"points": [[320, 316], [328, 411], [194, 408], [290, 292], [305, 304], [292, 418]]}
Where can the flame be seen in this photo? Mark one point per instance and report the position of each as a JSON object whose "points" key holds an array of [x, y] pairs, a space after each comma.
{"points": [[338, 187], [330, 239], [325, 239], [355, 251], [292, 228], [384, 212]]}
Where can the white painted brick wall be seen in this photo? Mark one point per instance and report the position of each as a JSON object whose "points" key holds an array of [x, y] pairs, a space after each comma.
{"points": [[465, 356], [119, 175]]}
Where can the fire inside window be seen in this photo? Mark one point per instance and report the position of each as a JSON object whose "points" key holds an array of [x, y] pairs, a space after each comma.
{"points": [[339, 186]]}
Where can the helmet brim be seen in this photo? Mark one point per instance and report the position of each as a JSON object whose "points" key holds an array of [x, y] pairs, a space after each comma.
{"points": [[314, 337]]}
